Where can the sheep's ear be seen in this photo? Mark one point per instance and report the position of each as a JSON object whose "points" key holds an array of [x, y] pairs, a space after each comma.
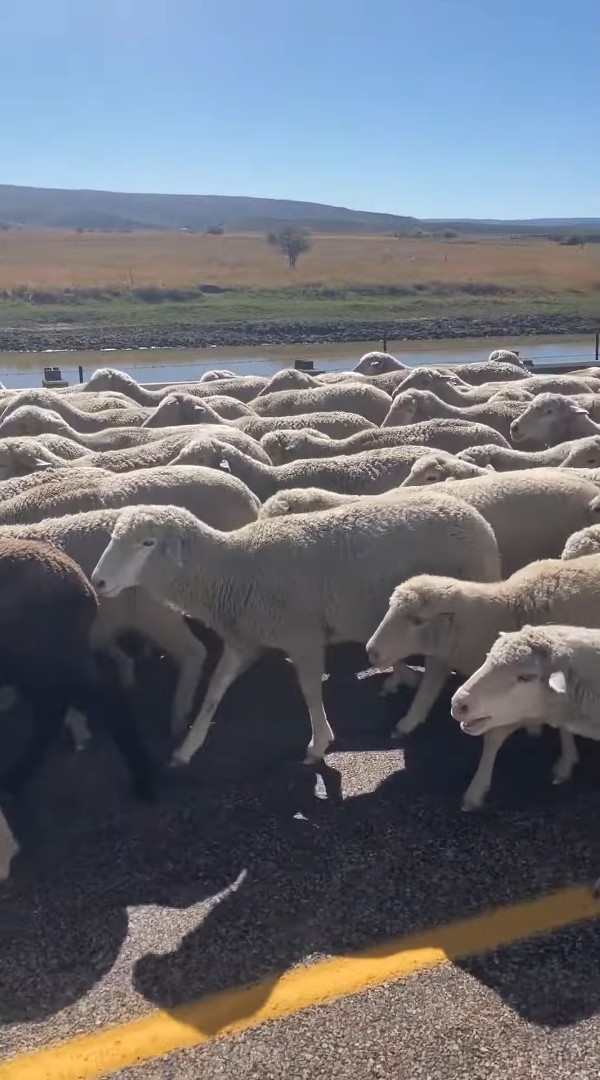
{"points": [[224, 465], [557, 682], [579, 409], [199, 408], [489, 468], [172, 549]]}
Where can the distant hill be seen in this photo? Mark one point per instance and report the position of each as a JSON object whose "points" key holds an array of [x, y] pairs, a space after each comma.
{"points": [[59, 208], [65, 209]]}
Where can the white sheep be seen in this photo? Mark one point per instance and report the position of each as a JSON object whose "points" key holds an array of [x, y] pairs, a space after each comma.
{"points": [[30, 421], [243, 387], [338, 425], [546, 673], [584, 542], [456, 622], [378, 363], [84, 537], [209, 493], [552, 419], [216, 373], [366, 473], [581, 452], [367, 401], [289, 379], [45, 398], [532, 513], [451, 388], [431, 468], [415, 406], [291, 584], [447, 435]]}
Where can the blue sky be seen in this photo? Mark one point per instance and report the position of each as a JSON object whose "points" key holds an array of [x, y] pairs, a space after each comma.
{"points": [[458, 108]]}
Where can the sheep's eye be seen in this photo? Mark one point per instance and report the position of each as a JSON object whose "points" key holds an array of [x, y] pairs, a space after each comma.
{"points": [[417, 620], [526, 676], [148, 543]]}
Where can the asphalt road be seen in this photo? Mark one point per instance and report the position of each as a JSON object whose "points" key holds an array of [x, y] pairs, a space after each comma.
{"points": [[251, 864]]}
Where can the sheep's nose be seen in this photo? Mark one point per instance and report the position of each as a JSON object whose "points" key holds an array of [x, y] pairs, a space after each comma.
{"points": [[99, 584], [459, 708], [373, 655]]}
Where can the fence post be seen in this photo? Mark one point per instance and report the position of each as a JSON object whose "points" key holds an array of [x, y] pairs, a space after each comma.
{"points": [[80, 373], [597, 344], [385, 342]]}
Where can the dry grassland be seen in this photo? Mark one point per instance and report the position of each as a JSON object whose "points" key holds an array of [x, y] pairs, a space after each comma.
{"points": [[54, 259]]}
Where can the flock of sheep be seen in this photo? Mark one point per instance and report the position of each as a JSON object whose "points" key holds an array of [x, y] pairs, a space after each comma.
{"points": [[447, 519]]}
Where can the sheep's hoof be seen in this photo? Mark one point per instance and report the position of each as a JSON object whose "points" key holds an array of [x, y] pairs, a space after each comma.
{"points": [[469, 804], [176, 762]]}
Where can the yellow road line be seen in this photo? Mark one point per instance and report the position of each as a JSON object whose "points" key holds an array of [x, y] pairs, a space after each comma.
{"points": [[89, 1057]]}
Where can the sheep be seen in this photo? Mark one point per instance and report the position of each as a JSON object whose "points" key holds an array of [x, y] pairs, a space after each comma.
{"points": [[366, 473], [217, 373], [378, 363], [206, 492], [29, 420], [501, 369], [46, 614], [552, 672], [175, 409], [532, 513], [286, 447], [80, 419], [584, 542], [338, 425], [357, 398], [505, 356], [448, 435], [288, 379], [307, 500], [291, 584], [457, 621], [44, 398], [551, 419], [19, 457], [83, 537], [414, 406], [244, 387], [450, 387], [582, 452], [433, 468]]}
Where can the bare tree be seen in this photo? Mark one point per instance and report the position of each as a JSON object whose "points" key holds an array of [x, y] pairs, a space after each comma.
{"points": [[291, 243]]}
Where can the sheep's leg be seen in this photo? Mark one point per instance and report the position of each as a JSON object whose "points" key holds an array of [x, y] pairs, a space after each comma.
{"points": [[231, 664], [8, 847], [569, 756], [309, 671], [78, 728], [110, 708], [477, 790], [434, 676], [402, 675], [47, 716]]}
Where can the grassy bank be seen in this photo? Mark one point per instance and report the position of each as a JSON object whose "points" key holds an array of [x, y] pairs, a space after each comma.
{"points": [[156, 307]]}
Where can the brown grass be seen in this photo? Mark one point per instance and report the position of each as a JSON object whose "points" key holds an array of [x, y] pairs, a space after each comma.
{"points": [[55, 259]]}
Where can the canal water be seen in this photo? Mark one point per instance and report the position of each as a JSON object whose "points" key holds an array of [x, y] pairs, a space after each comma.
{"points": [[22, 369]]}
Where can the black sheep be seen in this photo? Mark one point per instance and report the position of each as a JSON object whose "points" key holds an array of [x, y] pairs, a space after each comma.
{"points": [[47, 608]]}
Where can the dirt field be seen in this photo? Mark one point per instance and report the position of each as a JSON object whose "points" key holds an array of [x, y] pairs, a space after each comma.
{"points": [[55, 259]]}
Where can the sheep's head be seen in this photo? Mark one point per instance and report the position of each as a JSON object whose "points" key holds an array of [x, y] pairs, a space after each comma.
{"points": [[108, 379], [584, 456], [288, 379], [424, 378], [145, 549], [284, 446], [303, 501], [216, 373], [181, 408], [505, 356], [584, 542], [207, 452], [408, 406], [19, 458], [435, 468], [419, 621], [515, 684], [548, 417], [377, 363], [29, 420]]}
